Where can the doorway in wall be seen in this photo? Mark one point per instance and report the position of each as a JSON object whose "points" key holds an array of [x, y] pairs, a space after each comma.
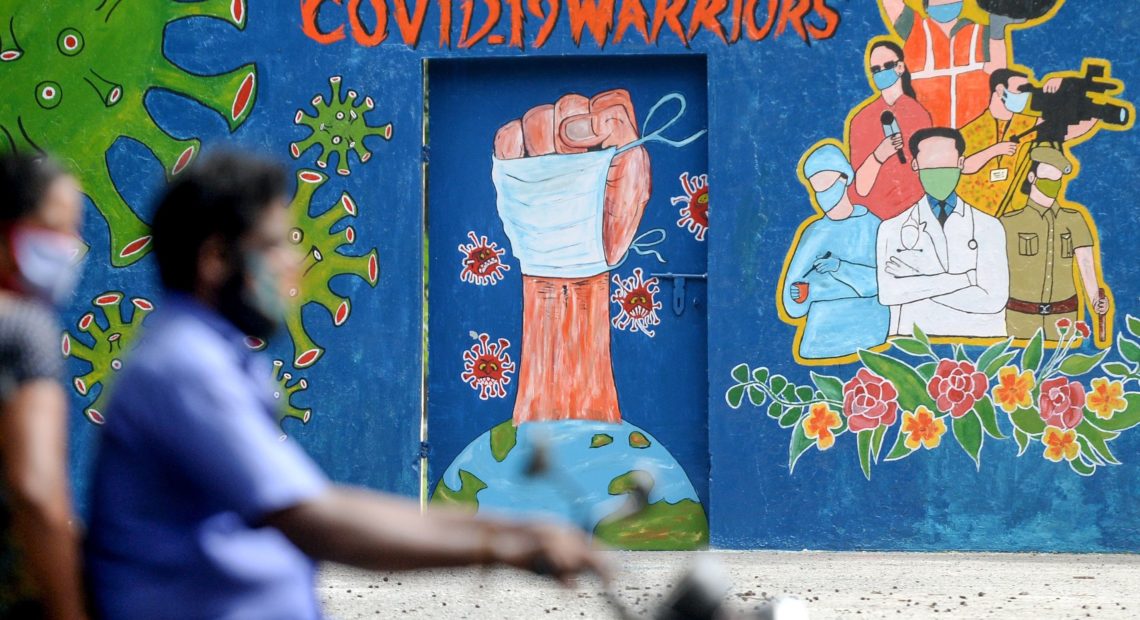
{"points": [[566, 217]]}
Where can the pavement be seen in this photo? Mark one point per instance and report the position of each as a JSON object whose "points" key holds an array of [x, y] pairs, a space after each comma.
{"points": [[835, 585]]}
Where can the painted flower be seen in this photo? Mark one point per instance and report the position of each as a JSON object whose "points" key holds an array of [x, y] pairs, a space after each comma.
{"points": [[956, 386], [1062, 403], [1063, 324], [1013, 390], [1084, 329], [922, 428], [819, 424], [1106, 398], [1060, 444], [869, 401]]}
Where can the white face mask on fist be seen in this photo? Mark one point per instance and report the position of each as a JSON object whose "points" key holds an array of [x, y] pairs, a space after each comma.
{"points": [[552, 206]]}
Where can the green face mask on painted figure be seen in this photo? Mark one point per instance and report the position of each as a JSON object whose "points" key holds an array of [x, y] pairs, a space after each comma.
{"points": [[940, 182], [1049, 187]]}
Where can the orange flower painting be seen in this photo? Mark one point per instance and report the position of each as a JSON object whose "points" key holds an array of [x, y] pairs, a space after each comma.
{"points": [[820, 424], [923, 429]]}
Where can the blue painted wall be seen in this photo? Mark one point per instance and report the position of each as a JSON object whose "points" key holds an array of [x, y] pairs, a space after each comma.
{"points": [[768, 101]]}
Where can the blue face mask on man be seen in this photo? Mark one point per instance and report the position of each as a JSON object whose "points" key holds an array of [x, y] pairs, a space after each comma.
{"points": [[885, 79], [945, 13], [829, 198], [1015, 102]]}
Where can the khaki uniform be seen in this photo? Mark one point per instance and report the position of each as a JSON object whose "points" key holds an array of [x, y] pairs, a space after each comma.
{"points": [[993, 188], [1041, 244]]}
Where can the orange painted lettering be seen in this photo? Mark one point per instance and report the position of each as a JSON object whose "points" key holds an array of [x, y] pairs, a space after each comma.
{"points": [[550, 18], [705, 14], [756, 33], [494, 10], [410, 25], [360, 32], [517, 19], [597, 16], [445, 23], [794, 13], [309, 11], [830, 21], [668, 12], [632, 13]]}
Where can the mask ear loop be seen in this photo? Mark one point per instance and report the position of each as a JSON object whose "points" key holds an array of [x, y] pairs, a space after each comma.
{"points": [[655, 135], [641, 245]]}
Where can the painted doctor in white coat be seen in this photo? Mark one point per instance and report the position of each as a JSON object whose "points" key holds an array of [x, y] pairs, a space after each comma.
{"points": [[942, 263]]}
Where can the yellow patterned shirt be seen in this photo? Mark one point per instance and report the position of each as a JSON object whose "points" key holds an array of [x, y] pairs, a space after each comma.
{"points": [[992, 188]]}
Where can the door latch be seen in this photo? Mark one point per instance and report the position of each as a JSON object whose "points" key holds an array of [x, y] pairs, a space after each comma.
{"points": [[679, 287]]}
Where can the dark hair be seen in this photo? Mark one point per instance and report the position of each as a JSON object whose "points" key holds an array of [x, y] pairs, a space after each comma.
{"points": [[908, 88], [937, 132], [1001, 77], [223, 195], [24, 180]]}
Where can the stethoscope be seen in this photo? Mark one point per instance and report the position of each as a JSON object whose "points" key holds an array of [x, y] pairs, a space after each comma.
{"points": [[972, 244]]}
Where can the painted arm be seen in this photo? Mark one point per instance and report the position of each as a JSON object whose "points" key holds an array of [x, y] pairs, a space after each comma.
{"points": [[807, 251], [382, 532], [861, 278], [33, 445], [978, 160], [868, 171], [990, 293], [895, 290], [1086, 265]]}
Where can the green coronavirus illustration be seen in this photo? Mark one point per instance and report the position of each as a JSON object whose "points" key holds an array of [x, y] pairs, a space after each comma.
{"points": [[322, 242], [75, 77], [104, 345], [339, 127], [284, 389]]}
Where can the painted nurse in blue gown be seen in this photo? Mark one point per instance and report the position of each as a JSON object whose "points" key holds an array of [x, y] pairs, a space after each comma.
{"points": [[831, 277]]}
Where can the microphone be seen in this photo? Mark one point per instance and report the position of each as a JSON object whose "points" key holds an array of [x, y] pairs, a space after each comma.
{"points": [[891, 128]]}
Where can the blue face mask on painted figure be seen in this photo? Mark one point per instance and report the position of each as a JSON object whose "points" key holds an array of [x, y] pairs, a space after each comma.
{"points": [[885, 79], [945, 13], [552, 206], [830, 197], [1015, 102]]}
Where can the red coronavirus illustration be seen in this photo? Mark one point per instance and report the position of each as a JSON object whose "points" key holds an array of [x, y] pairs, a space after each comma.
{"points": [[695, 212], [638, 307], [487, 367], [482, 261]]}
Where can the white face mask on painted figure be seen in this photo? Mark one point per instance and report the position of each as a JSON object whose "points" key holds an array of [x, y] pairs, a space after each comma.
{"points": [[552, 206]]}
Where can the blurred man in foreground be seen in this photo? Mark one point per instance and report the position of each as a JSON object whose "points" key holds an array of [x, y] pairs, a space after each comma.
{"points": [[40, 213], [199, 510]]}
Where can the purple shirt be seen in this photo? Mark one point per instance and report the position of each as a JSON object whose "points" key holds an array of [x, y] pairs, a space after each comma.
{"points": [[190, 463]]}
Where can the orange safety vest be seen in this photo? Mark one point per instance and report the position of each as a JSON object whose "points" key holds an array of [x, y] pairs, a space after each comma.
{"points": [[948, 72]]}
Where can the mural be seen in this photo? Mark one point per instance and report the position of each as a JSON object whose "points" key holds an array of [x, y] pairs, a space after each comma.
{"points": [[77, 85], [572, 181], [338, 128], [321, 242], [103, 345], [944, 208], [940, 223]]}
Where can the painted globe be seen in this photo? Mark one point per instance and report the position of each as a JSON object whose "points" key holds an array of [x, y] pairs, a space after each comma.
{"points": [[614, 480]]}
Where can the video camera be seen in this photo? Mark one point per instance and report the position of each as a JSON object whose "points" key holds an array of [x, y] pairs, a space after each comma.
{"points": [[1079, 99]]}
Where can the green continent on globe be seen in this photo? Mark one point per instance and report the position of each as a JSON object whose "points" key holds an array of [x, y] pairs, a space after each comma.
{"points": [[76, 75], [321, 247], [338, 127], [660, 526], [464, 498], [503, 439], [601, 439], [283, 393], [108, 346], [637, 439]]}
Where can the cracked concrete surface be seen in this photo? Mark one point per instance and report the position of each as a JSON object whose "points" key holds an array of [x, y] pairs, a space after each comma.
{"points": [[836, 585]]}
